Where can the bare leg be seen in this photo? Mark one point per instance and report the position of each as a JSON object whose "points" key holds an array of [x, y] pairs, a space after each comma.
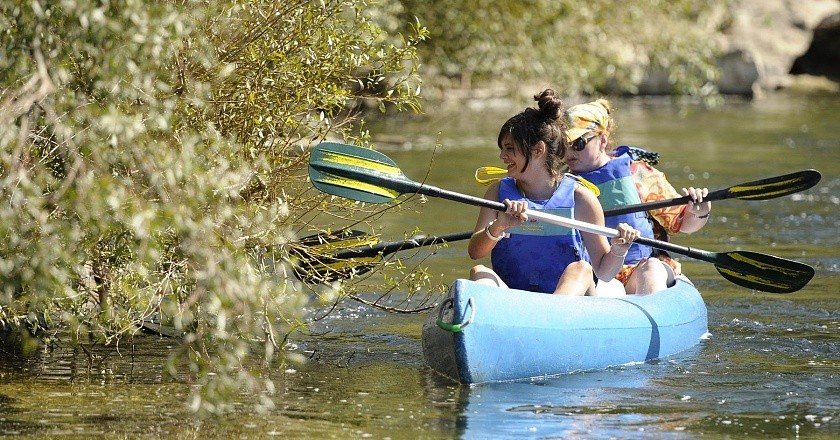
{"points": [[484, 275], [576, 280], [650, 276]]}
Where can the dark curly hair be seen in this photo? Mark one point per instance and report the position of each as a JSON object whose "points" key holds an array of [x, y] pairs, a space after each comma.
{"points": [[539, 124]]}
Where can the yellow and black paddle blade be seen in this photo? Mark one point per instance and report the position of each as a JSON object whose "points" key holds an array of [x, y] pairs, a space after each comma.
{"points": [[763, 189], [766, 273], [366, 175], [326, 243], [773, 187], [357, 173], [314, 257], [324, 269], [752, 270]]}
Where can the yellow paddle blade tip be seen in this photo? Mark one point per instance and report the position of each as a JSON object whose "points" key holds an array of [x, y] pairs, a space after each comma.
{"points": [[586, 184], [488, 175]]}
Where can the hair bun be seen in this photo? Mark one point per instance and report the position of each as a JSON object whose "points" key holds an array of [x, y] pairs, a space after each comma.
{"points": [[551, 106]]}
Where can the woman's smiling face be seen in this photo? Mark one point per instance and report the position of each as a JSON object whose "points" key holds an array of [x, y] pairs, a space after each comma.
{"points": [[511, 156]]}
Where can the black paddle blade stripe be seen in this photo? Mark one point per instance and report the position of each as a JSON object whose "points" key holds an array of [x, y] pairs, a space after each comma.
{"points": [[328, 274]]}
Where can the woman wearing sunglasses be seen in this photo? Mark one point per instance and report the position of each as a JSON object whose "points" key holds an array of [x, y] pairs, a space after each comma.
{"points": [[623, 180], [534, 256]]}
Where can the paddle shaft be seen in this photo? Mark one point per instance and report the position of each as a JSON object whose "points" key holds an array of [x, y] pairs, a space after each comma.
{"points": [[406, 186], [720, 194], [394, 246], [762, 189], [420, 241], [756, 190], [609, 232]]}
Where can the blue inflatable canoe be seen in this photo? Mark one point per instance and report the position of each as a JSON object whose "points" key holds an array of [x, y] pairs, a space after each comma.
{"points": [[481, 333]]}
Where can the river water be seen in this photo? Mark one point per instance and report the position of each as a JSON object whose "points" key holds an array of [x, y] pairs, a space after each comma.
{"points": [[771, 367]]}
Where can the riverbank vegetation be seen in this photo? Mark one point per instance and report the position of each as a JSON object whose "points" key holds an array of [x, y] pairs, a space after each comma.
{"points": [[153, 156], [151, 164], [601, 46]]}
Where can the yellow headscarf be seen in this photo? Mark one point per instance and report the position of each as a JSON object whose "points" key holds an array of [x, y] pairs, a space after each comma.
{"points": [[583, 118]]}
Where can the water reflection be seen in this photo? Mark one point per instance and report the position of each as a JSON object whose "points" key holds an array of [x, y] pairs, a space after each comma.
{"points": [[567, 406]]}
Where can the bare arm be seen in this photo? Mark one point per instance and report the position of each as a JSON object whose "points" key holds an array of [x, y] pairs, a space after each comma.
{"points": [[606, 259], [696, 213], [480, 243]]}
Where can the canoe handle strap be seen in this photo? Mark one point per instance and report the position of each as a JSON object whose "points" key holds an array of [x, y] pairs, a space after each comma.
{"points": [[453, 327]]}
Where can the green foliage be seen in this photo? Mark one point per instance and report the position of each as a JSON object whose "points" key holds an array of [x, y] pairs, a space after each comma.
{"points": [[153, 154], [600, 46], [151, 158]]}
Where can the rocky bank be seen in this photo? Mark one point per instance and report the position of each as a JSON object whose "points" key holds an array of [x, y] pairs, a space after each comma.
{"points": [[764, 43]]}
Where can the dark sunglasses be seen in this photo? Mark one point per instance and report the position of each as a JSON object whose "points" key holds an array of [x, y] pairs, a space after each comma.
{"points": [[579, 144]]}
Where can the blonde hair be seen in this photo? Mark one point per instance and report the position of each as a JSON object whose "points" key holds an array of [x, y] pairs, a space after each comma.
{"points": [[611, 124]]}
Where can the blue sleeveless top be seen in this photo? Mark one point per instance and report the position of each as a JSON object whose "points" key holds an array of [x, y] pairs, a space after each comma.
{"points": [[537, 253], [618, 189]]}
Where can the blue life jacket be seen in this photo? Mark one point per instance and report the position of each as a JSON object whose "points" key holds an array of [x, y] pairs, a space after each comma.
{"points": [[537, 253], [618, 189]]}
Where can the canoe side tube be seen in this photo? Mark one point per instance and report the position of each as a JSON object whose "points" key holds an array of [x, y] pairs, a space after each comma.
{"points": [[515, 334]]}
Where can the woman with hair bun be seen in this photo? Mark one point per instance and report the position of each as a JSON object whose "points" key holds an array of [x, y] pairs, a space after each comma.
{"points": [[534, 256]]}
